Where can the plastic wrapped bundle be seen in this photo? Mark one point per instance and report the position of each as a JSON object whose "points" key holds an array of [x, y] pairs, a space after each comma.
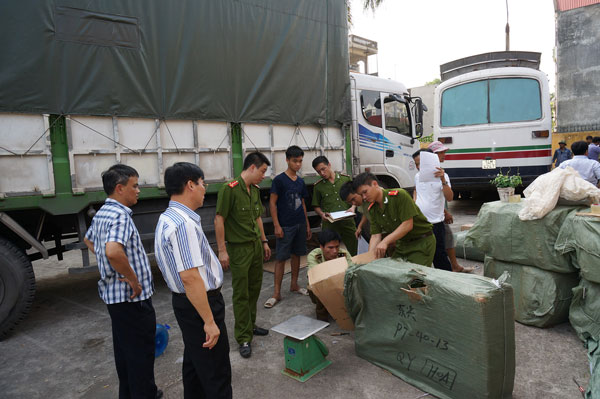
{"points": [[542, 298], [449, 334], [500, 233], [467, 251], [580, 237]]}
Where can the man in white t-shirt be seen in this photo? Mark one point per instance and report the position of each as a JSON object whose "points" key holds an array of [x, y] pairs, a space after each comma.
{"points": [[430, 198]]}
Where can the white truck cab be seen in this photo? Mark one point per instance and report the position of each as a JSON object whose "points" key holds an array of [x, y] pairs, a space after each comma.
{"points": [[384, 137]]}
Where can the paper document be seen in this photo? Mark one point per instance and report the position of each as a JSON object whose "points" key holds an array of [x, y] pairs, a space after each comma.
{"points": [[429, 164], [339, 215]]}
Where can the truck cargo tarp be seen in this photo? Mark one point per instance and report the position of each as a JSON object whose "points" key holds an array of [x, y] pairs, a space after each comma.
{"points": [[542, 298], [499, 233], [279, 61], [450, 334]]}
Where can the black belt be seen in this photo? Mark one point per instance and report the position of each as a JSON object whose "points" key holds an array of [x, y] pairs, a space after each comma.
{"points": [[421, 236], [214, 292]]}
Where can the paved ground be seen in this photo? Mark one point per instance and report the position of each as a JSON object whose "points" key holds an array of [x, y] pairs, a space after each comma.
{"points": [[64, 348]]}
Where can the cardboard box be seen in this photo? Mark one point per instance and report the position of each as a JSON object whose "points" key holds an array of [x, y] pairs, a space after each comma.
{"points": [[326, 280]]}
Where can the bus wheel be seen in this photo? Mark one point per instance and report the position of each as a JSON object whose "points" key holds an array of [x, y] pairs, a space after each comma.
{"points": [[17, 286]]}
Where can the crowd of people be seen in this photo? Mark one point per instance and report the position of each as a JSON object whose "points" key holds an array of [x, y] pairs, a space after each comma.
{"points": [[411, 228], [583, 157]]}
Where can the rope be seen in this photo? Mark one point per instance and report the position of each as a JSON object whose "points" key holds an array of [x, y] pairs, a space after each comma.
{"points": [[39, 138], [103, 135], [172, 139], [248, 137]]}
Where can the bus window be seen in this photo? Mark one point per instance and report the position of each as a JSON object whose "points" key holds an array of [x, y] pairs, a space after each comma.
{"points": [[465, 104], [396, 117], [514, 100], [371, 107]]}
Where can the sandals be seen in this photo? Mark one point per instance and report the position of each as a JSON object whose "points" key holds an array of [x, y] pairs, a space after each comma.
{"points": [[271, 302], [302, 291]]}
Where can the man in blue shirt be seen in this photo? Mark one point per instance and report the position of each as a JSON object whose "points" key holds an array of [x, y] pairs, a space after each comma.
{"points": [[125, 284], [594, 149], [194, 275], [288, 210], [588, 169], [561, 154]]}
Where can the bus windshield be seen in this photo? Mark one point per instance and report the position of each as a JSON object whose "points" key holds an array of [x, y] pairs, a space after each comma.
{"points": [[491, 101]]}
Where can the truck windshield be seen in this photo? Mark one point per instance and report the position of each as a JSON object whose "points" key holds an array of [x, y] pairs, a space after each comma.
{"points": [[396, 116], [491, 101]]}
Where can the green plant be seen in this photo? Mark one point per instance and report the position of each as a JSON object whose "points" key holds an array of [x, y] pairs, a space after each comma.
{"points": [[506, 180]]}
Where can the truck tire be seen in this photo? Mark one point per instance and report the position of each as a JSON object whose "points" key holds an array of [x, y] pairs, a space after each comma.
{"points": [[17, 286]]}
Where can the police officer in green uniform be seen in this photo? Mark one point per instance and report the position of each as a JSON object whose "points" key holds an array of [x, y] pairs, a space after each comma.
{"points": [[393, 212], [326, 199], [238, 223]]}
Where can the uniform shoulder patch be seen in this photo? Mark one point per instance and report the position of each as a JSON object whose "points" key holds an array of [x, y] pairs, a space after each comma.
{"points": [[233, 183], [393, 193], [370, 206]]}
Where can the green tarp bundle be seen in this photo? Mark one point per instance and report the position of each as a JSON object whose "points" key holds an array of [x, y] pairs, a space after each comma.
{"points": [[584, 313], [499, 233], [542, 298], [467, 251], [593, 390], [450, 334], [580, 237]]}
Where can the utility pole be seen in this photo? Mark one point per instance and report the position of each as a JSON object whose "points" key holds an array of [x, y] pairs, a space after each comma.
{"points": [[507, 30]]}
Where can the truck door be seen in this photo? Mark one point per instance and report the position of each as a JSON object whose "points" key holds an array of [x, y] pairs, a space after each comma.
{"points": [[398, 149], [370, 130]]}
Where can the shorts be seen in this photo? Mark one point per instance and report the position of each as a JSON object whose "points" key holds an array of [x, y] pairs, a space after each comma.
{"points": [[292, 243], [449, 237]]}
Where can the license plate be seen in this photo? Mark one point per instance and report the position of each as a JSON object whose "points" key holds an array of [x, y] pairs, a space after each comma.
{"points": [[488, 164]]}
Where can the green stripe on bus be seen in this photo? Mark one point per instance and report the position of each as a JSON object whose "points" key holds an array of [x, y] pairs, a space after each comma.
{"points": [[499, 149]]}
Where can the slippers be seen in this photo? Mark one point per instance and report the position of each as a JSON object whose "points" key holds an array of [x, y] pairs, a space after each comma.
{"points": [[467, 270], [271, 302], [302, 291]]}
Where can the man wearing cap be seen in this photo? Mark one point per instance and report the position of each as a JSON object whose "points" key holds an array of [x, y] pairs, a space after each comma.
{"points": [[561, 154], [195, 276]]}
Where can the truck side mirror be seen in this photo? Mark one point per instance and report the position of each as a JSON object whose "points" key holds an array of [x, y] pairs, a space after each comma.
{"points": [[418, 117]]}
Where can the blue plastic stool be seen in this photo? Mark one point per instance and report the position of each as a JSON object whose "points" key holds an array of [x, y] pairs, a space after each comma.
{"points": [[161, 339]]}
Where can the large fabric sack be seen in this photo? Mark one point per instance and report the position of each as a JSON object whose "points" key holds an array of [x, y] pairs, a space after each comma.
{"points": [[542, 195], [584, 313], [593, 390], [499, 233], [449, 334], [542, 298], [466, 251], [580, 237]]}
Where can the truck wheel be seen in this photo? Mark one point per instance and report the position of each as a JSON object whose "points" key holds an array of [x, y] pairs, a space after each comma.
{"points": [[17, 286]]}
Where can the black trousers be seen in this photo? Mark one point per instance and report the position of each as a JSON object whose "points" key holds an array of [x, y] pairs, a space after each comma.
{"points": [[206, 372], [440, 259], [134, 328]]}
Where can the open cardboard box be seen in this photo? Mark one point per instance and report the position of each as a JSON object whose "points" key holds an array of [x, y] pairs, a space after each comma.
{"points": [[327, 282]]}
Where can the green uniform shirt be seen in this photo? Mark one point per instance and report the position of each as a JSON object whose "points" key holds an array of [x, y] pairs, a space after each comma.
{"points": [[326, 195], [364, 209], [240, 210], [398, 206], [316, 256]]}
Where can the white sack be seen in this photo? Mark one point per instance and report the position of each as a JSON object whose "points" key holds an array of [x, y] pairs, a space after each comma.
{"points": [[544, 192]]}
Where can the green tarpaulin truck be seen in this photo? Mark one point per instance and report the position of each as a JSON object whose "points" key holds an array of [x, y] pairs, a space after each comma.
{"points": [[148, 84]]}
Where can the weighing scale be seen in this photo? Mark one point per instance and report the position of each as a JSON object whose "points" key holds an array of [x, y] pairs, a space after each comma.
{"points": [[304, 352]]}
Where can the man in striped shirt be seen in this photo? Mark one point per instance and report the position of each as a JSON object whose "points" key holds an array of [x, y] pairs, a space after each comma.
{"points": [[125, 284], [195, 276]]}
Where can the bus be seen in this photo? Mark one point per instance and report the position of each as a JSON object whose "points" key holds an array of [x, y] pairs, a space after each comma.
{"points": [[492, 111]]}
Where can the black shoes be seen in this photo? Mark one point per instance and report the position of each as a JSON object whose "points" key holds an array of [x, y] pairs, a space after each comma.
{"points": [[260, 331], [159, 394], [245, 350]]}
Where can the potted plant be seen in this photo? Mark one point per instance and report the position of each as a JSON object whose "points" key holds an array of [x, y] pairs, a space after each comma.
{"points": [[505, 184]]}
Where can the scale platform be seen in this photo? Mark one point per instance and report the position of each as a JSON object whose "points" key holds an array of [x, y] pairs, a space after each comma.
{"points": [[304, 353]]}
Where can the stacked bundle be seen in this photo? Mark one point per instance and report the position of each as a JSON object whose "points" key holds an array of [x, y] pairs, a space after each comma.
{"points": [[580, 238], [450, 334], [541, 276]]}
